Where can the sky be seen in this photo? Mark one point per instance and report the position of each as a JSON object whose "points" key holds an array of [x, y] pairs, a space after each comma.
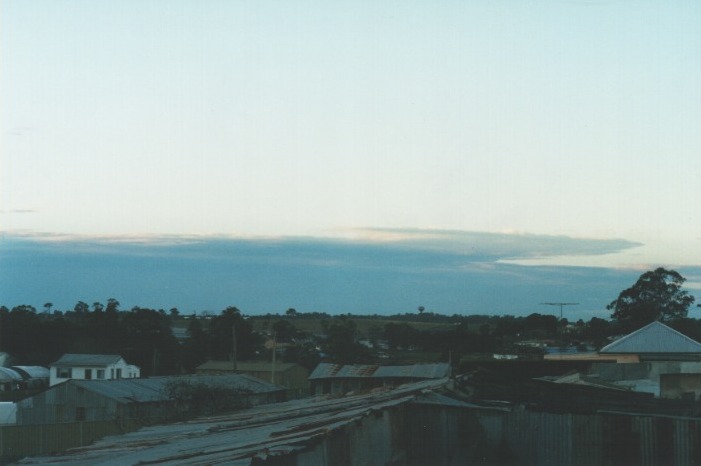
{"points": [[467, 156]]}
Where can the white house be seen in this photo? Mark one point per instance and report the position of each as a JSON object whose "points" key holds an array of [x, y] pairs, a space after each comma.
{"points": [[91, 366]]}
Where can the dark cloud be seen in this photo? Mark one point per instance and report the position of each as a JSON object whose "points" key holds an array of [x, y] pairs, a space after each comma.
{"points": [[449, 272]]}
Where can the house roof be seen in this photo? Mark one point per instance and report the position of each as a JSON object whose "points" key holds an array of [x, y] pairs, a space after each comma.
{"points": [[416, 371], [654, 338], [247, 366], [155, 388], [71, 359]]}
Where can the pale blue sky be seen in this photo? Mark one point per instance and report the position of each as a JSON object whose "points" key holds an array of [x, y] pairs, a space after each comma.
{"points": [[335, 119]]}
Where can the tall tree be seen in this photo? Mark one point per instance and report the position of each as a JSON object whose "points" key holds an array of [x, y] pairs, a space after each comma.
{"points": [[657, 295]]}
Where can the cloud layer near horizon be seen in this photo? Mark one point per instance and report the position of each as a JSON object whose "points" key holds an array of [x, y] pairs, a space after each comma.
{"points": [[380, 271]]}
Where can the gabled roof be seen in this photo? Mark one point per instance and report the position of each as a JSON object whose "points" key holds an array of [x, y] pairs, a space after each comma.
{"points": [[654, 338], [87, 360]]}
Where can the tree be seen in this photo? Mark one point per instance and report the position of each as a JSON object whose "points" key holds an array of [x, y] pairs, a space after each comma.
{"points": [[48, 306], [81, 307], [657, 295], [341, 344], [112, 306]]}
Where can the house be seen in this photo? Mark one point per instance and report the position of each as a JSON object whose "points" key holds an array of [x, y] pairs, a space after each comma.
{"points": [[337, 378], [289, 375], [643, 357], [655, 342], [145, 401], [91, 366]]}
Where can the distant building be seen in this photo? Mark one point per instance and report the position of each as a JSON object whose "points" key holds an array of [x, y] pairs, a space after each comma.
{"points": [[654, 342], [654, 359], [147, 400], [289, 375], [337, 378], [91, 366]]}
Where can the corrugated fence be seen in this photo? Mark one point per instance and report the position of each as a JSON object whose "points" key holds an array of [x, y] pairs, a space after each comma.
{"points": [[615, 439], [19, 441]]}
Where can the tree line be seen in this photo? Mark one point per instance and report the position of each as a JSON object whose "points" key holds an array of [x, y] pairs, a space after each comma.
{"points": [[145, 336]]}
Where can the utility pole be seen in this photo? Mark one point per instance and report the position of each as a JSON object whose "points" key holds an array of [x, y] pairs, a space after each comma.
{"points": [[233, 349], [272, 370]]}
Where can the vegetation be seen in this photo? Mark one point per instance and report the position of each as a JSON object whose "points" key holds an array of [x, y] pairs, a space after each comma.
{"points": [[657, 295]]}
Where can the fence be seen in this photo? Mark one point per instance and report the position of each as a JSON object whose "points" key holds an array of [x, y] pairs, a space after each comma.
{"points": [[43, 439]]}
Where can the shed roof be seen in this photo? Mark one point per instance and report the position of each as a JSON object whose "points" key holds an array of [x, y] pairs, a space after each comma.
{"points": [[324, 370], [32, 372], [9, 375], [415, 371], [254, 366], [654, 338], [71, 359], [154, 389]]}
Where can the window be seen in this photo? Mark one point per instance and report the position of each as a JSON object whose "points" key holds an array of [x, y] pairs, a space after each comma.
{"points": [[100, 373], [79, 413], [64, 372], [88, 374]]}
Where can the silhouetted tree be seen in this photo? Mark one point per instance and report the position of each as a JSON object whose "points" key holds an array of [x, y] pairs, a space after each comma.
{"points": [[341, 345], [657, 295], [222, 340]]}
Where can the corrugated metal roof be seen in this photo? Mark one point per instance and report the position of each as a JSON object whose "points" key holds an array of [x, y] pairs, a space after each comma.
{"points": [[653, 338], [9, 375], [238, 437], [436, 399], [246, 366], [71, 359], [324, 370], [356, 370], [33, 372], [417, 371], [154, 389]]}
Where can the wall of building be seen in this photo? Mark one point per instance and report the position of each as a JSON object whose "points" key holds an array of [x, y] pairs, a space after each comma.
{"points": [[118, 370]]}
